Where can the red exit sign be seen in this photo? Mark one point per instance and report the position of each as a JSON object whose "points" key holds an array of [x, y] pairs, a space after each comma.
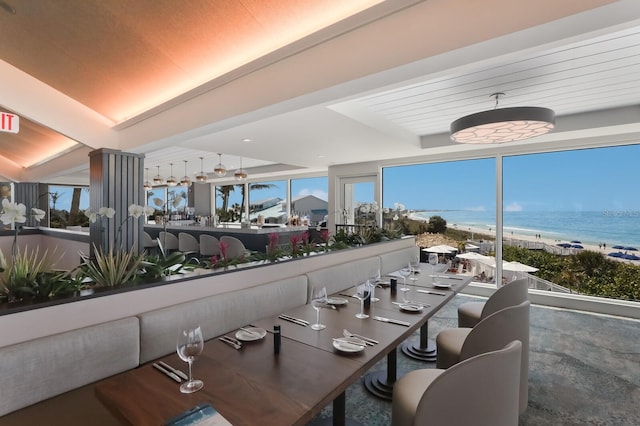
{"points": [[9, 122]]}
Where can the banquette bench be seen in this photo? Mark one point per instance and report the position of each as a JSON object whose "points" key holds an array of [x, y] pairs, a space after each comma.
{"points": [[48, 381]]}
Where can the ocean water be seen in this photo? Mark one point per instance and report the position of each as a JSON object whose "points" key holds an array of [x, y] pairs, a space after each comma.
{"points": [[612, 227]]}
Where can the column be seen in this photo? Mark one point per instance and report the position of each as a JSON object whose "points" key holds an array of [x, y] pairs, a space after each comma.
{"points": [[116, 181]]}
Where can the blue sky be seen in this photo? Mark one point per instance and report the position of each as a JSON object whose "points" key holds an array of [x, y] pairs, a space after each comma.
{"points": [[584, 180]]}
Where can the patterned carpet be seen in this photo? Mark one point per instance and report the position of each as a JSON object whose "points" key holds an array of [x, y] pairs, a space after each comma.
{"points": [[584, 370]]}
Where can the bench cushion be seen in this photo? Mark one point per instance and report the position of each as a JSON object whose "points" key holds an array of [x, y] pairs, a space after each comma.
{"points": [[217, 314], [43, 368]]}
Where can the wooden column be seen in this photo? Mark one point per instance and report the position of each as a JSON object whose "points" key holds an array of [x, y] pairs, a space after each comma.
{"points": [[116, 181]]}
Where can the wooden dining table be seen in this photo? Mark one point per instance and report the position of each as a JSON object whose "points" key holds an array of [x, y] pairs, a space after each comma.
{"points": [[253, 385]]}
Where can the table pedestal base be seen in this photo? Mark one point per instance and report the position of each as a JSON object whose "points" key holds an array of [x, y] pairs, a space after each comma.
{"points": [[415, 351], [424, 350], [380, 383]]}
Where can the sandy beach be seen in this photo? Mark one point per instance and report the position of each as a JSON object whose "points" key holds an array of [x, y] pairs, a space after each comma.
{"points": [[513, 236]]}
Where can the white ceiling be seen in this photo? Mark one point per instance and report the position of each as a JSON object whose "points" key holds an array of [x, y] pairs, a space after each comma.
{"points": [[381, 89]]}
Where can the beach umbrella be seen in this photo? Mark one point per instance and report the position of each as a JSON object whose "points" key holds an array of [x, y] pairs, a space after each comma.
{"points": [[564, 245], [576, 246], [630, 257], [630, 248], [576, 242], [516, 266], [616, 254], [472, 256], [442, 248], [618, 247]]}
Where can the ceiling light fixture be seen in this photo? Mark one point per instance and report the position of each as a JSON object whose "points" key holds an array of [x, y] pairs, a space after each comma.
{"points": [[147, 185], [240, 174], [186, 180], [171, 180], [157, 180], [503, 125], [220, 170], [201, 178]]}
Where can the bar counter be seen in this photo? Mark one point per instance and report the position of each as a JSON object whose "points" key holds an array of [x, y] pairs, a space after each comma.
{"points": [[253, 237]]}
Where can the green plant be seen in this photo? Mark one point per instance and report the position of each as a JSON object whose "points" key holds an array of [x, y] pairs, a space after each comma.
{"points": [[157, 266], [19, 280], [112, 268]]}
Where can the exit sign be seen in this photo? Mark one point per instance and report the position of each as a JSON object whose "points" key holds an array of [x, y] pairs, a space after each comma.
{"points": [[9, 122]]}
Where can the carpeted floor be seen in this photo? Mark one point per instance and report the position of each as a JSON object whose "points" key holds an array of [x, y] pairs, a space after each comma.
{"points": [[584, 369]]}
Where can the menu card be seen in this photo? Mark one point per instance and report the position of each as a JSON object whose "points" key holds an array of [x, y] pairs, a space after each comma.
{"points": [[200, 415]]}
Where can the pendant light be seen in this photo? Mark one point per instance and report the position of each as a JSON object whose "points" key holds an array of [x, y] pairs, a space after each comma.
{"points": [[240, 174], [201, 178], [503, 124], [147, 185], [171, 180], [157, 180], [220, 170], [186, 180]]}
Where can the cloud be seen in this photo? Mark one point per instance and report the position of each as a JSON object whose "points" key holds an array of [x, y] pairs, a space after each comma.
{"points": [[513, 207], [323, 195]]}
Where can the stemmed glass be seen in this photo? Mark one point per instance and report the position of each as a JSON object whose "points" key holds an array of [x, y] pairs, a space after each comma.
{"points": [[362, 292], [318, 301], [189, 346], [405, 272], [414, 264], [374, 280]]}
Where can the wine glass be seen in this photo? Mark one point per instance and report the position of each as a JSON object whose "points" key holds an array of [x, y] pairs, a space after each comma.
{"points": [[414, 264], [189, 346], [362, 292], [405, 272], [318, 301], [374, 280], [433, 259]]}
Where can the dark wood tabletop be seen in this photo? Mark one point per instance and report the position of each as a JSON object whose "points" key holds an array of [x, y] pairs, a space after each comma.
{"points": [[254, 386]]}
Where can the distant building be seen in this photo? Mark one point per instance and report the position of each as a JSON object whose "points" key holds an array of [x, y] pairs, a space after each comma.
{"points": [[274, 210]]}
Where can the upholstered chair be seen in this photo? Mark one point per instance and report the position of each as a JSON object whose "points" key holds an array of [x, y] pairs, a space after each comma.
{"points": [[514, 293], [168, 240], [480, 391], [188, 244], [209, 245], [235, 247], [495, 331]]}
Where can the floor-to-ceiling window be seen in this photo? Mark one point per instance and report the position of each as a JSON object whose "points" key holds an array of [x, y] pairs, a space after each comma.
{"points": [[575, 217], [309, 199], [267, 201]]}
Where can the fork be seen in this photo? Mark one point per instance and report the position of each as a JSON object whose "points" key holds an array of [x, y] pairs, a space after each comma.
{"points": [[230, 341]]}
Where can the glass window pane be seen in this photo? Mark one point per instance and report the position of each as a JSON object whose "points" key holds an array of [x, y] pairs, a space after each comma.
{"points": [[267, 201], [228, 203], [575, 216], [66, 206], [309, 198]]}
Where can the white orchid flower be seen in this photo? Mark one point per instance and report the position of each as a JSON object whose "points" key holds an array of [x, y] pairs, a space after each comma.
{"points": [[106, 211], [12, 212], [395, 217], [91, 215], [158, 202], [135, 210], [38, 214], [148, 210]]}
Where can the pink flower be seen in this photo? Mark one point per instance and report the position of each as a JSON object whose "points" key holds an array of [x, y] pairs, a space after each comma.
{"points": [[273, 242], [223, 249], [294, 244], [305, 237], [214, 259], [324, 235]]}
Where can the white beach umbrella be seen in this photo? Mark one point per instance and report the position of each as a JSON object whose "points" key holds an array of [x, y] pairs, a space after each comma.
{"points": [[473, 256], [442, 248], [518, 267]]}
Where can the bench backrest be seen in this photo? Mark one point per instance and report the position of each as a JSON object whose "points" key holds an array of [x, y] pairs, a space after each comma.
{"points": [[217, 314], [39, 369]]}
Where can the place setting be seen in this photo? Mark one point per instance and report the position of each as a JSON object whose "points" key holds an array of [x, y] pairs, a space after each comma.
{"points": [[352, 343]]}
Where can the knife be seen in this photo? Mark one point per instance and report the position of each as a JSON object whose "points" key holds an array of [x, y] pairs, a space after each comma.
{"points": [[431, 292], [174, 370], [392, 321], [294, 320], [230, 342], [167, 372]]}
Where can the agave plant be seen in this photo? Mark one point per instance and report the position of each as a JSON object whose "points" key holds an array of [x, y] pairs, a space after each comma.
{"points": [[20, 279], [112, 268]]}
